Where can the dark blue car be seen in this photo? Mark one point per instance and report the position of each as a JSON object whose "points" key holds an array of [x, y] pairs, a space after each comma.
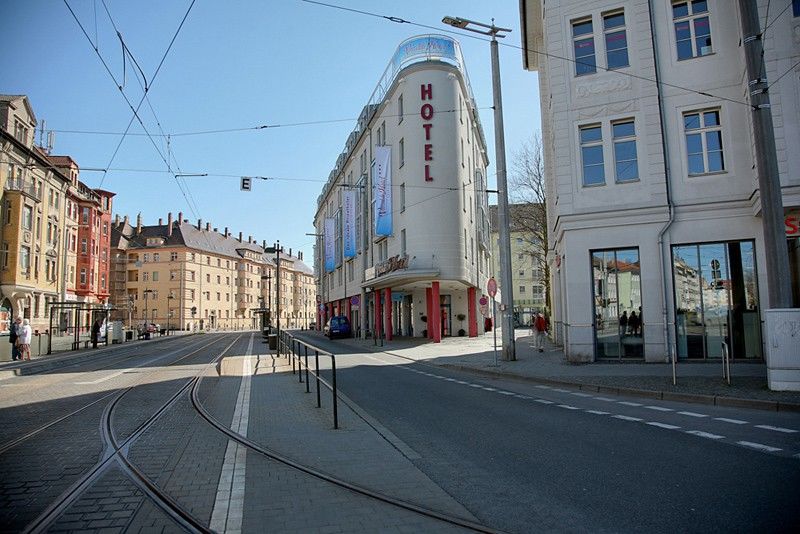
{"points": [[338, 326]]}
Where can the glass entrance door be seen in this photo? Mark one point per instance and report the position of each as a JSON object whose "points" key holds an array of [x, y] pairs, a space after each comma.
{"points": [[716, 300], [618, 324]]}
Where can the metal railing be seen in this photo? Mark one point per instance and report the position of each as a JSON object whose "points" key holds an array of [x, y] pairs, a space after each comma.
{"points": [[298, 351]]}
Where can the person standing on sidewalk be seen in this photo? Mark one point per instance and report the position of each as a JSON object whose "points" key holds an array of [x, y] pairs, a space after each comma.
{"points": [[25, 335], [13, 336], [540, 329]]}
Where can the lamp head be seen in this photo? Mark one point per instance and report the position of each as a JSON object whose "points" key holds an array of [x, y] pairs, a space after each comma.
{"points": [[456, 22]]}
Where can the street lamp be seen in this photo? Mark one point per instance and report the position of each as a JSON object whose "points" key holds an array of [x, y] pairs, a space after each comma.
{"points": [[146, 323], [277, 251], [507, 296], [169, 309]]}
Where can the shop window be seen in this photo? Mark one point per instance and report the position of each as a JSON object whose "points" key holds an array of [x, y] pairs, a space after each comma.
{"points": [[618, 321]]}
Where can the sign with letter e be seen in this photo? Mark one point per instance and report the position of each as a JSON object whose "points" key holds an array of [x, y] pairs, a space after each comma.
{"points": [[247, 183]]}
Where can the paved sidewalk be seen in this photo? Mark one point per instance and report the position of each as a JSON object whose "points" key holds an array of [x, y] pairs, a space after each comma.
{"points": [[696, 381]]}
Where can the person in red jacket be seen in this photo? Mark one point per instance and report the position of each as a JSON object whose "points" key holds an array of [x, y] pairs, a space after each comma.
{"points": [[539, 331]]}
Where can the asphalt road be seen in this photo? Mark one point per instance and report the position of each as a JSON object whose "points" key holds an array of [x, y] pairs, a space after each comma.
{"points": [[528, 458]]}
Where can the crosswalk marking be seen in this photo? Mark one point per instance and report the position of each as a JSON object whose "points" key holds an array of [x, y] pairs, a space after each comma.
{"points": [[704, 434], [777, 429], [759, 446]]}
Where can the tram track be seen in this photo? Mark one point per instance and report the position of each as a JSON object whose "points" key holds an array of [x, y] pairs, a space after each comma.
{"points": [[115, 453]]}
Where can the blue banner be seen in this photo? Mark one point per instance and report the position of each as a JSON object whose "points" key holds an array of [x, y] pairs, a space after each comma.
{"points": [[382, 190], [330, 245], [349, 227]]}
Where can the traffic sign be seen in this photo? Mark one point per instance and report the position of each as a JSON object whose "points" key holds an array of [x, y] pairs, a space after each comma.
{"points": [[355, 300], [247, 183], [491, 287], [483, 301]]}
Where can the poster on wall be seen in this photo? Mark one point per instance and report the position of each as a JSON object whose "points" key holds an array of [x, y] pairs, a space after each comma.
{"points": [[382, 190], [349, 206], [330, 256]]}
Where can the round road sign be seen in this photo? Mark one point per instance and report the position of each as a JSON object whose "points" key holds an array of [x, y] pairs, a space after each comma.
{"points": [[491, 287], [483, 301]]}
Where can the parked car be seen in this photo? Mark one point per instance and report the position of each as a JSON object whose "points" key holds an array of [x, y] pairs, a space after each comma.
{"points": [[312, 325], [338, 326]]}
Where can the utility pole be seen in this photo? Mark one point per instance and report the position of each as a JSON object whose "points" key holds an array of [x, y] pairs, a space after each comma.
{"points": [[779, 286]]}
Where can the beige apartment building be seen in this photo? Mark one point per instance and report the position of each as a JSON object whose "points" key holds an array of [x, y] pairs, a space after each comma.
{"points": [[192, 277]]}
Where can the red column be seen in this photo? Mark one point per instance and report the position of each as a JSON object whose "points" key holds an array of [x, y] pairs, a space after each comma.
{"points": [[349, 308], [376, 295], [471, 315], [430, 312], [437, 313], [387, 298]]}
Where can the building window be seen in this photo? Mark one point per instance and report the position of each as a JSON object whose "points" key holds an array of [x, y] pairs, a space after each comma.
{"points": [[156, 256], [155, 276], [692, 28], [522, 289], [27, 217], [583, 43], [83, 277], [402, 197], [616, 40], [592, 155], [84, 214], [84, 246], [399, 109], [5, 255], [25, 259], [145, 276], [626, 167], [402, 152], [522, 272], [703, 133]]}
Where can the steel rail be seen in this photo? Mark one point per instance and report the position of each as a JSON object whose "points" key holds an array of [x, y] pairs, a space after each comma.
{"points": [[115, 453], [329, 478]]}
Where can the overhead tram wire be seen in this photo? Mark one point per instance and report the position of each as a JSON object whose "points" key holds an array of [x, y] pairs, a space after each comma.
{"points": [[438, 29]]}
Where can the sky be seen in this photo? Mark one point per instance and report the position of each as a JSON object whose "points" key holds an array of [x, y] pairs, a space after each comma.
{"points": [[233, 65]]}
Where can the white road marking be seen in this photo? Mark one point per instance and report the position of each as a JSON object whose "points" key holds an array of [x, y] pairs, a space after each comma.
{"points": [[659, 408], [629, 403], [543, 387], [525, 397], [663, 425], [561, 390], [704, 434], [597, 412], [568, 407], [693, 414], [759, 446], [489, 389], [604, 399], [475, 386], [734, 421], [777, 429], [626, 418], [506, 393], [579, 394], [543, 401], [229, 503]]}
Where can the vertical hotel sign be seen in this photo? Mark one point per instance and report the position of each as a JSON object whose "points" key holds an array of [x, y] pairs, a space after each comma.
{"points": [[349, 229], [382, 190], [330, 244]]}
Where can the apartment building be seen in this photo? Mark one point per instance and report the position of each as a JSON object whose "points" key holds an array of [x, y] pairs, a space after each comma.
{"points": [[653, 201], [33, 215], [403, 224], [193, 277], [527, 262]]}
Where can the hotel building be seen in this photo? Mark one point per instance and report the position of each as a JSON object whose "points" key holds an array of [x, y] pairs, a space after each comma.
{"points": [[653, 198], [403, 246]]}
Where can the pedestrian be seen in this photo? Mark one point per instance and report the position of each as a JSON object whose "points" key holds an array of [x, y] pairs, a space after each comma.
{"points": [[25, 335], [95, 333], [540, 327], [623, 323], [13, 338], [633, 323]]}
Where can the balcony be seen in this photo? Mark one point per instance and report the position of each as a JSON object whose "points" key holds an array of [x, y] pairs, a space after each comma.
{"points": [[23, 186]]}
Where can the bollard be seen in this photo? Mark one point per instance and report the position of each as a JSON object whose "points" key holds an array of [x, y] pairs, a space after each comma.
{"points": [[335, 398], [316, 358], [306, 353]]}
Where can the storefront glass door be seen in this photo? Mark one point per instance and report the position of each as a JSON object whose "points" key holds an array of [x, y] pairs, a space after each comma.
{"points": [[618, 324]]}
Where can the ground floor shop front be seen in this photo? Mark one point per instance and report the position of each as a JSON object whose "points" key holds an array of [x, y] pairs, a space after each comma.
{"points": [[430, 309], [695, 292]]}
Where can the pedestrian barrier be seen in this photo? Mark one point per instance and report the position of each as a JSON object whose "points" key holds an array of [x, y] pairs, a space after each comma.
{"points": [[297, 351]]}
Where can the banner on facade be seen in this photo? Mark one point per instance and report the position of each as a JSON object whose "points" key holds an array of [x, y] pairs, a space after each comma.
{"points": [[382, 190], [330, 244], [349, 229]]}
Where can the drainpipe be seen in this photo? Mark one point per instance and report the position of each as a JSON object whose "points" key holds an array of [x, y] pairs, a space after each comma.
{"points": [[667, 181]]}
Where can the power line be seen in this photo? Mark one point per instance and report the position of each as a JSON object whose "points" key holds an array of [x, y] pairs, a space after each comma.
{"points": [[539, 52]]}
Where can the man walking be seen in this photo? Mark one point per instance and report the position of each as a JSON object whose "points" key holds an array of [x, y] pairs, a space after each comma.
{"points": [[539, 331], [13, 335]]}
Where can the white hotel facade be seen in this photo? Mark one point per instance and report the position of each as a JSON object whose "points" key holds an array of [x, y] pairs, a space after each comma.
{"points": [[653, 198], [417, 158]]}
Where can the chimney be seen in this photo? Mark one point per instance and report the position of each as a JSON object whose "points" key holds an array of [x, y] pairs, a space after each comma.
{"points": [[160, 221], [290, 251], [264, 243], [169, 224], [125, 221], [199, 224], [216, 230], [249, 239], [116, 219], [240, 237], [208, 227], [226, 232], [180, 217], [139, 223]]}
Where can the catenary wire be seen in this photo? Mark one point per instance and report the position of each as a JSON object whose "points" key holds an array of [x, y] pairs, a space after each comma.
{"points": [[532, 50]]}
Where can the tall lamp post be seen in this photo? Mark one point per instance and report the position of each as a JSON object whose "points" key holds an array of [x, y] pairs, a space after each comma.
{"points": [[169, 309], [146, 323], [277, 251], [506, 293]]}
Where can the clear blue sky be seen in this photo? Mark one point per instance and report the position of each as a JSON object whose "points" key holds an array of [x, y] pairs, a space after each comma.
{"points": [[234, 65]]}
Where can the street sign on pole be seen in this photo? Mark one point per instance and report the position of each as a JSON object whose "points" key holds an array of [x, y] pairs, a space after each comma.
{"points": [[491, 287], [247, 183]]}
